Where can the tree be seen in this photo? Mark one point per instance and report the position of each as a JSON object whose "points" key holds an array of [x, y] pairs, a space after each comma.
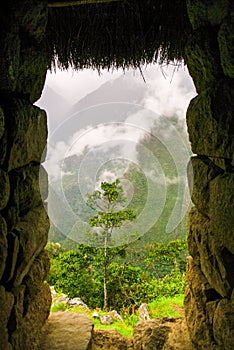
{"points": [[162, 258], [108, 202], [72, 273]]}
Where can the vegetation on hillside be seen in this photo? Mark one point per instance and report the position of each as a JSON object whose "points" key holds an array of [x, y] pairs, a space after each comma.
{"points": [[80, 273]]}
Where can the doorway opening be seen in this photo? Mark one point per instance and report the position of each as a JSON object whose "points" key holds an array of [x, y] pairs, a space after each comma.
{"points": [[109, 126]]}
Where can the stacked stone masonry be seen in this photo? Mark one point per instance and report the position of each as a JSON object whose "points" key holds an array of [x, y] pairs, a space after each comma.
{"points": [[24, 296], [209, 298]]}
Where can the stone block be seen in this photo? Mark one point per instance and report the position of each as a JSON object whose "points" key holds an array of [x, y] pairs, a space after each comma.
{"points": [[32, 232], [3, 148], [217, 11], [206, 12], [207, 243], [23, 68], [197, 12], [202, 58], [2, 139], [27, 334], [201, 172], [4, 189], [226, 46], [2, 122], [12, 256], [166, 333], [36, 275], [9, 54], [17, 313], [223, 325], [6, 305], [200, 329], [43, 183], [210, 121], [222, 208], [32, 72], [27, 133], [3, 245], [25, 188]]}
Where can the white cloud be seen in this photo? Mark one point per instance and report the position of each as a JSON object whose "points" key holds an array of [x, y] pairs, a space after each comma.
{"points": [[169, 90], [74, 85]]}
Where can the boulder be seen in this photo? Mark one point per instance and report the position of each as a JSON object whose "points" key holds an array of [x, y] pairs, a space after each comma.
{"points": [[110, 339], [107, 319], [61, 299], [67, 330], [77, 302], [166, 333], [143, 312], [115, 315]]}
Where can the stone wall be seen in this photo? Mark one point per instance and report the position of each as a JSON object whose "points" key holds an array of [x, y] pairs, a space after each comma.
{"points": [[24, 297], [209, 299]]}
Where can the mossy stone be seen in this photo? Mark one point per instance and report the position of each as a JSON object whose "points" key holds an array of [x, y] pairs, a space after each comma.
{"points": [[226, 46]]}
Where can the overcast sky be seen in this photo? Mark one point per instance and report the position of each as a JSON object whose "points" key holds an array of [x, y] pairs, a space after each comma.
{"points": [[163, 91], [169, 88]]}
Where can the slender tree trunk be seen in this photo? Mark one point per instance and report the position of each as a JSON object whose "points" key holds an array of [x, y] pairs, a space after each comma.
{"points": [[105, 289], [105, 278], [176, 232]]}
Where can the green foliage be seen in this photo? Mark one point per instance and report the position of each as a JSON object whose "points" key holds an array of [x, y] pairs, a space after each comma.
{"points": [[54, 249], [108, 203], [80, 273], [73, 274], [58, 307], [160, 258], [121, 285]]}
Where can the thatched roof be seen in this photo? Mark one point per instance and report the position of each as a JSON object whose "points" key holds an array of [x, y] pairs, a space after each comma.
{"points": [[111, 33]]}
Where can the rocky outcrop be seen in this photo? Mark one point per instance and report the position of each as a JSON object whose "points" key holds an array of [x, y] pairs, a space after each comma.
{"points": [[209, 303]]}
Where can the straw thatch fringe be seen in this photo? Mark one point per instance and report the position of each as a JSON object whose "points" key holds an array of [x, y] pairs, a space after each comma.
{"points": [[118, 34]]}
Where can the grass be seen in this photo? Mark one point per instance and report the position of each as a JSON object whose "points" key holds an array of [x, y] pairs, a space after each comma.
{"points": [[162, 307], [170, 307]]}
